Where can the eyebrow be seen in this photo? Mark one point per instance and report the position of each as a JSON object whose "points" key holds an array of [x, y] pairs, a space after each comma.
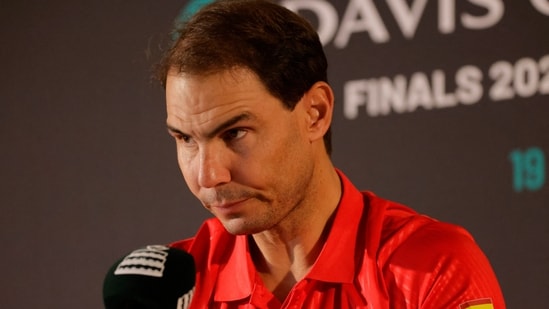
{"points": [[223, 126]]}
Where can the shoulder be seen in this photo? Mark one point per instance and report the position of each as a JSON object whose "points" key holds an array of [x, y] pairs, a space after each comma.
{"points": [[430, 263], [401, 228], [408, 237], [422, 242]]}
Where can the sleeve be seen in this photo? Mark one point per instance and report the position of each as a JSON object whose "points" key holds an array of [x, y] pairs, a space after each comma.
{"points": [[440, 266]]}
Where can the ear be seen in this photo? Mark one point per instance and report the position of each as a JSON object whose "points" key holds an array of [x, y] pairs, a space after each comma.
{"points": [[319, 105]]}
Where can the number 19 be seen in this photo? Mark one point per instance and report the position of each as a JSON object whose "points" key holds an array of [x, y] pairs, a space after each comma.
{"points": [[528, 169]]}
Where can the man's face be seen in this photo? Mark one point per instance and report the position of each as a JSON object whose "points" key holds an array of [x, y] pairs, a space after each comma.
{"points": [[244, 155]]}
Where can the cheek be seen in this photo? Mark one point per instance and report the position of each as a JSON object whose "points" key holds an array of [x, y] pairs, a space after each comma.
{"points": [[186, 168], [287, 155]]}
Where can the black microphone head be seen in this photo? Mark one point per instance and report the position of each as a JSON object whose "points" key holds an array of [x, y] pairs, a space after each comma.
{"points": [[152, 277]]}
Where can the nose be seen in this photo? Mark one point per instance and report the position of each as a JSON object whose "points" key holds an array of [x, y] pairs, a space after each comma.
{"points": [[213, 169]]}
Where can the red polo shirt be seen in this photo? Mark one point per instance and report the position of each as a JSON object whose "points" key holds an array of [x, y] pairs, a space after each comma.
{"points": [[379, 254]]}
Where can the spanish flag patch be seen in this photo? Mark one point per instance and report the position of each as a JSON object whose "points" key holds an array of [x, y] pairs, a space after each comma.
{"points": [[482, 303]]}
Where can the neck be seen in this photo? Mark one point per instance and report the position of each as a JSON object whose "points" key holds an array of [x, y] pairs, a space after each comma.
{"points": [[284, 254]]}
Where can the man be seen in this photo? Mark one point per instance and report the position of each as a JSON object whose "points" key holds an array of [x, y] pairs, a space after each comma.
{"points": [[250, 108]]}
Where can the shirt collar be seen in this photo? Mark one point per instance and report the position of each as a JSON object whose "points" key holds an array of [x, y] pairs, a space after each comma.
{"points": [[335, 262], [237, 272]]}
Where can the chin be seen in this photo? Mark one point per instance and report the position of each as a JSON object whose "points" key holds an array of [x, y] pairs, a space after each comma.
{"points": [[240, 227]]}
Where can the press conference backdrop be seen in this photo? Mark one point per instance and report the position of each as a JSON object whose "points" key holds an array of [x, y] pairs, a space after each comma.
{"points": [[441, 105]]}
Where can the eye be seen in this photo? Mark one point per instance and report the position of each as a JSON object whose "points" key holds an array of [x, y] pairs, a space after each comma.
{"points": [[180, 137], [234, 134], [184, 138]]}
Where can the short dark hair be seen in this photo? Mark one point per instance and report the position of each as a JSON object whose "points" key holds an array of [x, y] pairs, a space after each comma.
{"points": [[279, 46]]}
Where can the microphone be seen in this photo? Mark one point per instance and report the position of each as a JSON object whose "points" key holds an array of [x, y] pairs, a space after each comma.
{"points": [[151, 277]]}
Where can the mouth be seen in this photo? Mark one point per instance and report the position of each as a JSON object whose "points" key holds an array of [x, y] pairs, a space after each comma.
{"points": [[228, 207]]}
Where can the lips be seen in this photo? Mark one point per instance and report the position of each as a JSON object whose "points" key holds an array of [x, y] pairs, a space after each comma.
{"points": [[229, 200], [228, 207]]}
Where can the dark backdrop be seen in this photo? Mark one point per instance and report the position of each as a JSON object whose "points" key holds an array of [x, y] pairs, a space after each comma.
{"points": [[88, 172]]}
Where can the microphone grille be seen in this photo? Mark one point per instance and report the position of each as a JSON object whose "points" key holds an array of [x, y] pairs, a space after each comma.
{"points": [[151, 277]]}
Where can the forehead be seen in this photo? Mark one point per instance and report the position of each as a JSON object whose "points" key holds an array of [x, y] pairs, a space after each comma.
{"points": [[196, 100]]}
